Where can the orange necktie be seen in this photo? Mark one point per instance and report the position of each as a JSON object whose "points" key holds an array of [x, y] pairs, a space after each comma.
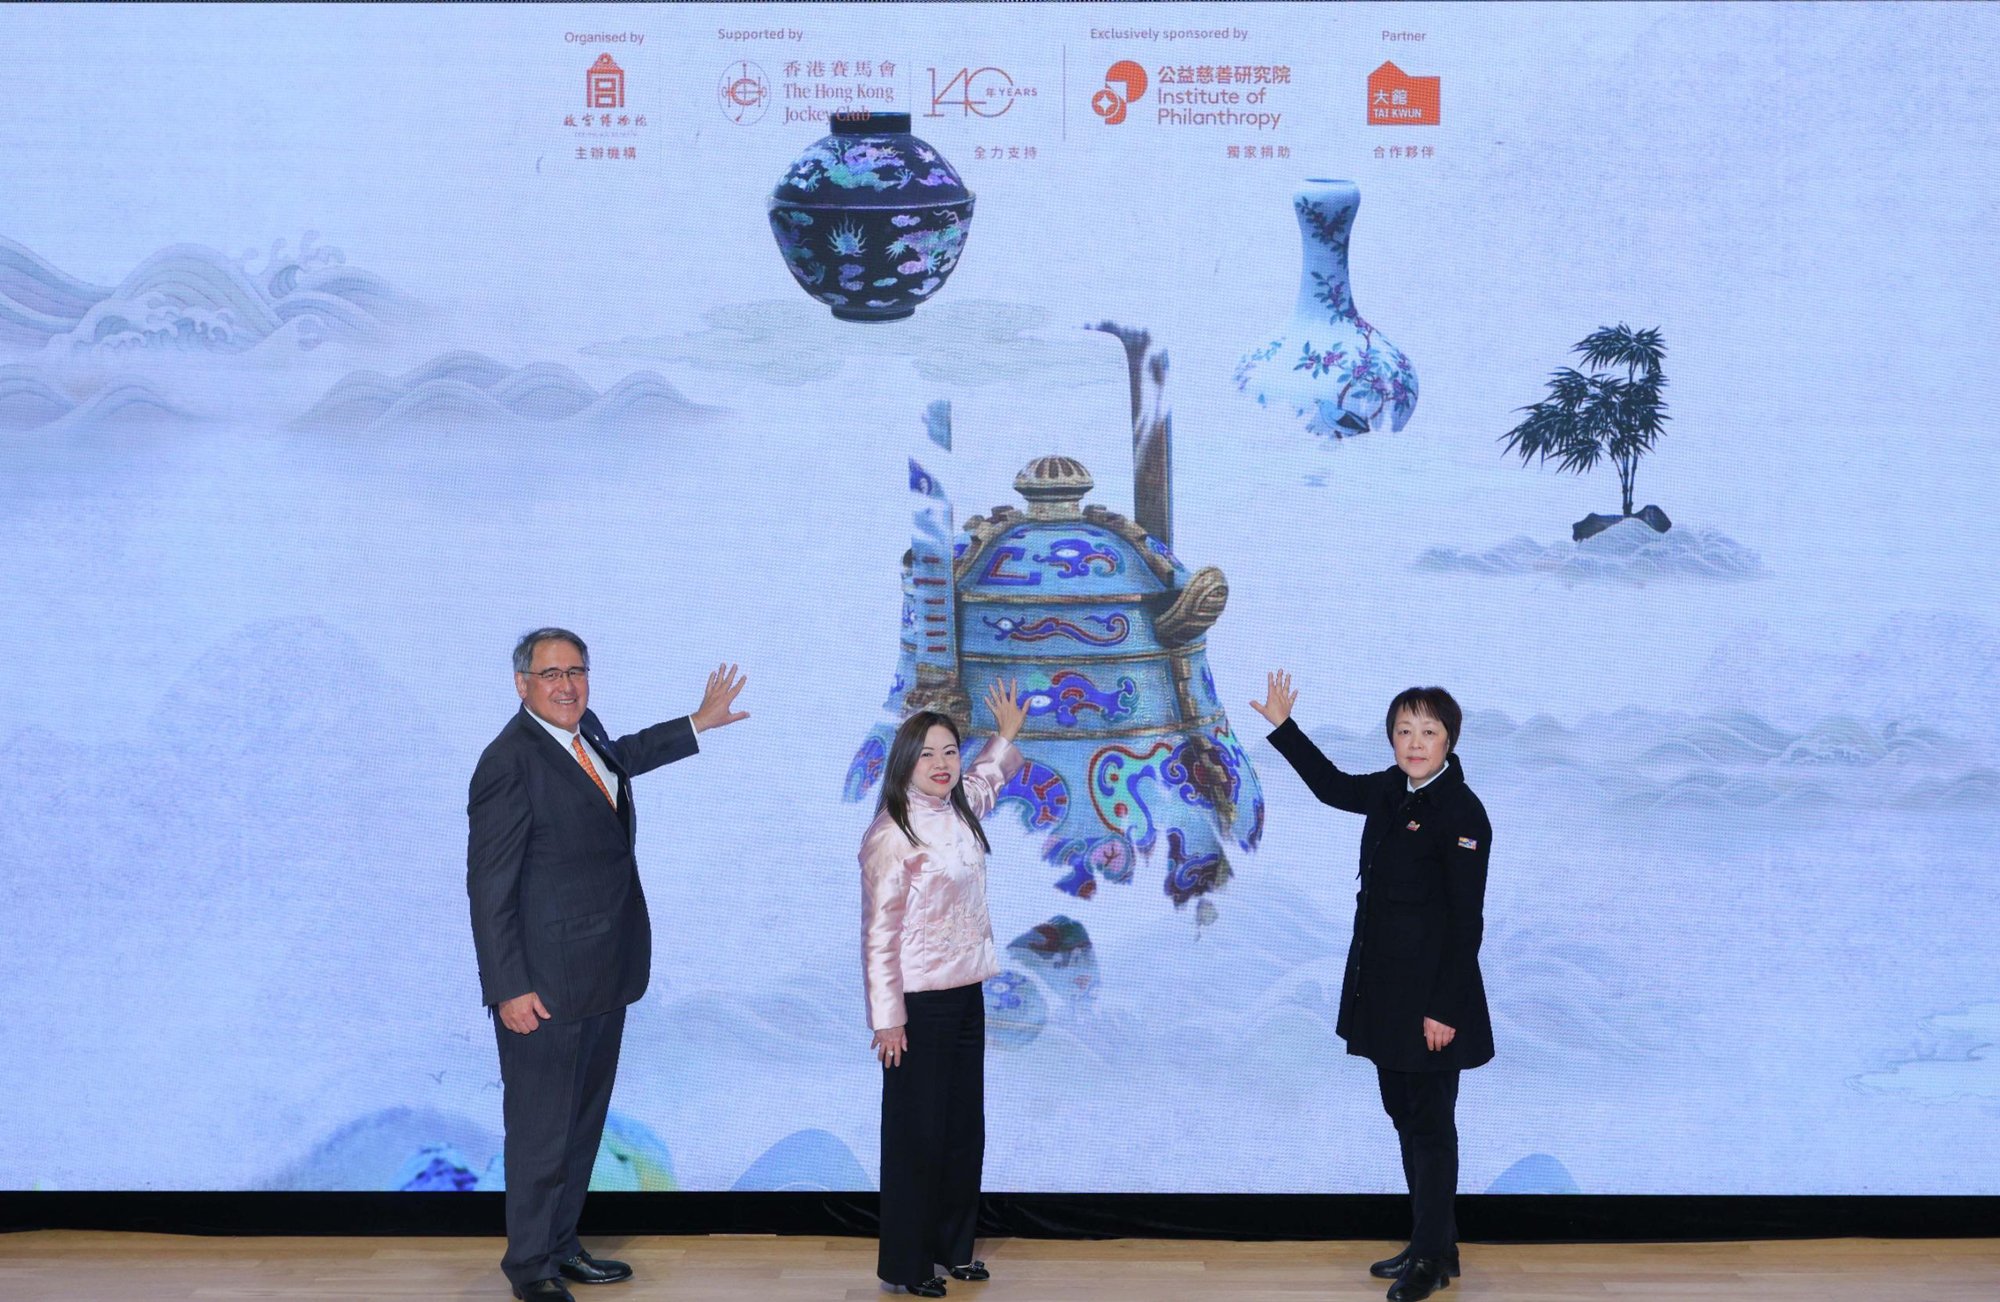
{"points": [[583, 758]]}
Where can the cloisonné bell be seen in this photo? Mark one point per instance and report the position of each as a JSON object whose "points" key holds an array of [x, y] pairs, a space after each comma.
{"points": [[1131, 762]]}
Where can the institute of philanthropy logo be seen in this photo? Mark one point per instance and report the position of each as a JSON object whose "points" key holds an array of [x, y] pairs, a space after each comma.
{"points": [[744, 92], [1124, 83], [604, 84], [1396, 99]]}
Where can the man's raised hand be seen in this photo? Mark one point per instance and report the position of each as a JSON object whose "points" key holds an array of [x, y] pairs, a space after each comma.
{"points": [[717, 699]]}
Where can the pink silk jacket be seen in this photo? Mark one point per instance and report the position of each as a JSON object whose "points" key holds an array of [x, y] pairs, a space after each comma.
{"points": [[924, 924]]}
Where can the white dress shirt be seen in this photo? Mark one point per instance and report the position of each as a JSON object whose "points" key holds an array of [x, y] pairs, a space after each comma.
{"points": [[1413, 786], [605, 772]]}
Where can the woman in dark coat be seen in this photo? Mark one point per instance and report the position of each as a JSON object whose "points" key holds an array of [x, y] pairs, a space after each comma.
{"points": [[1413, 1002]]}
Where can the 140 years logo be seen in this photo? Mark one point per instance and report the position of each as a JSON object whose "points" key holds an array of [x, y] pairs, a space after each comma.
{"points": [[975, 92]]}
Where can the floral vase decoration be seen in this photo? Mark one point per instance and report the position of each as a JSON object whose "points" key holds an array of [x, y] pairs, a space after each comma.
{"points": [[1327, 366], [871, 220]]}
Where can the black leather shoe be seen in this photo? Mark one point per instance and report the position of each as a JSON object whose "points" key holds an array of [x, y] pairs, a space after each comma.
{"points": [[1392, 1267], [543, 1290], [1421, 1278], [975, 1271], [586, 1269], [932, 1287]]}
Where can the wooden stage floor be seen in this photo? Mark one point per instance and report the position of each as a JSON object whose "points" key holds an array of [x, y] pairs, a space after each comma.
{"points": [[66, 1266]]}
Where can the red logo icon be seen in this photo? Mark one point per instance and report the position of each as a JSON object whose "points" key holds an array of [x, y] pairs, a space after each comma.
{"points": [[744, 93], [1124, 84], [604, 84], [1396, 99]]}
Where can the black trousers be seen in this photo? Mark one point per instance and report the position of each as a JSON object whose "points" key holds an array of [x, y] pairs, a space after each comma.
{"points": [[934, 1136], [557, 1082], [1423, 1104]]}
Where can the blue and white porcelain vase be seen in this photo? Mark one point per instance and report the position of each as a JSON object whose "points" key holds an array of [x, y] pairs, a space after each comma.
{"points": [[1327, 366], [871, 220]]}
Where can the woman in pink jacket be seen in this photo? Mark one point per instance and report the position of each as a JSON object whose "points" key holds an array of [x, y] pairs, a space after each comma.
{"points": [[926, 945]]}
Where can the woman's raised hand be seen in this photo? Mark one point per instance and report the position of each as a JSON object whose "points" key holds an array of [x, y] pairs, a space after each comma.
{"points": [[1279, 698], [1009, 713]]}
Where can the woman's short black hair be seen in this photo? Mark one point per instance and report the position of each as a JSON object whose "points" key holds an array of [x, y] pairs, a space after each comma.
{"points": [[1435, 702]]}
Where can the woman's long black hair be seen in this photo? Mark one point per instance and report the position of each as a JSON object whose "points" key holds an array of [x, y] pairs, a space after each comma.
{"points": [[903, 755]]}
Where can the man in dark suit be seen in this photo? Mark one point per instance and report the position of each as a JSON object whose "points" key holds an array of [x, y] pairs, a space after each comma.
{"points": [[559, 922]]}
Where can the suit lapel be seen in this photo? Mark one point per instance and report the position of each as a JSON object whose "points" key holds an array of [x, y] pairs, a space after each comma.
{"points": [[593, 732], [544, 744]]}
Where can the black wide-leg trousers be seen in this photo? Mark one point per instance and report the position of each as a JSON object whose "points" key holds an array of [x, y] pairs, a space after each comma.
{"points": [[934, 1136], [1423, 1106], [556, 1083]]}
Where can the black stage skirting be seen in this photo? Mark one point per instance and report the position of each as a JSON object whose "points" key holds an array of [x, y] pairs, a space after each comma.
{"points": [[1490, 1218]]}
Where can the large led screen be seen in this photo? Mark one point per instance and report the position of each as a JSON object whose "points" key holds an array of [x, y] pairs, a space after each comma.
{"points": [[1626, 369]]}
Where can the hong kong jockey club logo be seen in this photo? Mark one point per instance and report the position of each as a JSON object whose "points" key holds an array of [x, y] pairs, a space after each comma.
{"points": [[1124, 85], [744, 92], [604, 84]]}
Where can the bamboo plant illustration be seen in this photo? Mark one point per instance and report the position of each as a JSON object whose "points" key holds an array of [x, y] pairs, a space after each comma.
{"points": [[1588, 418]]}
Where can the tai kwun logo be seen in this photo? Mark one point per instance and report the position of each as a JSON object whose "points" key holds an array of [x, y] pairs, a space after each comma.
{"points": [[1124, 85], [1396, 99]]}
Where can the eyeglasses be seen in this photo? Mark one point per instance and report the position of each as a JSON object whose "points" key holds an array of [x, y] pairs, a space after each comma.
{"points": [[554, 676]]}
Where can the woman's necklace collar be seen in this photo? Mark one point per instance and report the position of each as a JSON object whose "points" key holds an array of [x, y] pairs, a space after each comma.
{"points": [[925, 800]]}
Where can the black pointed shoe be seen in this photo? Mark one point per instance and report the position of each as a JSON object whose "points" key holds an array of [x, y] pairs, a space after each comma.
{"points": [[932, 1287], [975, 1271], [543, 1290], [1392, 1267], [1421, 1278], [586, 1269]]}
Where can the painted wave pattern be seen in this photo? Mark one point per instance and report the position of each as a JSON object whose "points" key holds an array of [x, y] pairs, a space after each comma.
{"points": [[194, 299], [424, 1098], [1627, 552], [1566, 996], [466, 387], [27, 402], [1918, 663], [37, 301], [972, 344], [424, 1150], [1641, 760], [1954, 1062], [192, 798]]}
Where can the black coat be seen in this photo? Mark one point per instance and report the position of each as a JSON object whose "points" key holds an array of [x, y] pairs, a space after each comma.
{"points": [[1419, 915], [557, 908]]}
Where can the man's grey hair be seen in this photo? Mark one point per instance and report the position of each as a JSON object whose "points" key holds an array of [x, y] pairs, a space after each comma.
{"points": [[524, 650]]}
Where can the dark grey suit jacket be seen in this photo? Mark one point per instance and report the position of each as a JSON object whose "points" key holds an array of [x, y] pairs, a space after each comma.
{"points": [[557, 908]]}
